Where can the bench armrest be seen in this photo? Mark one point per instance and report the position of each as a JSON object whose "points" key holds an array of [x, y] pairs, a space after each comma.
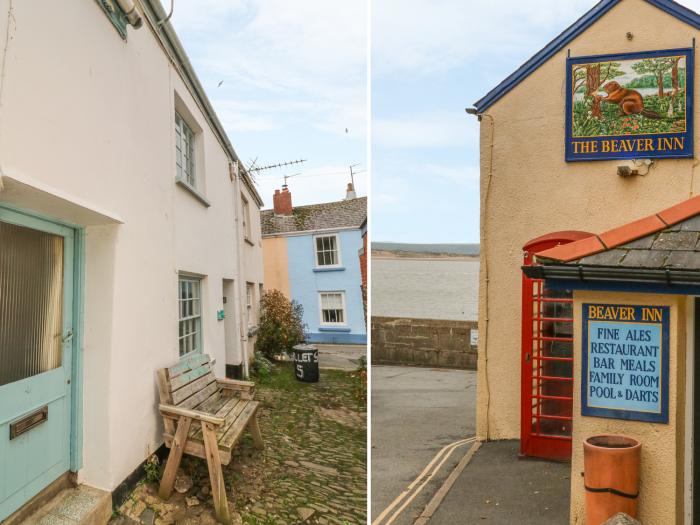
{"points": [[174, 412], [246, 388]]}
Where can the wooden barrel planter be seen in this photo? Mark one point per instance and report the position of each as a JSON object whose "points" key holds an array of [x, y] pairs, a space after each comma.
{"points": [[306, 363]]}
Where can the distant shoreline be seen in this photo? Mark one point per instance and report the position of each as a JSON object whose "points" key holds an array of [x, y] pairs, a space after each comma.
{"points": [[436, 251], [423, 256]]}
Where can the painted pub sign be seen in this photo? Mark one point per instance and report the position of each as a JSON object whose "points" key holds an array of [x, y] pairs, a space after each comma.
{"points": [[630, 106], [625, 362]]}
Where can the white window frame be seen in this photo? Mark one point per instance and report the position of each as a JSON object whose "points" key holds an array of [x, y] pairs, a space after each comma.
{"points": [[195, 317], [250, 303], [245, 214], [320, 307], [183, 131], [339, 258]]}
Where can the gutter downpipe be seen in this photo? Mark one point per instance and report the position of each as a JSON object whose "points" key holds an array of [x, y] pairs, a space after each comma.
{"points": [[240, 289], [172, 8]]}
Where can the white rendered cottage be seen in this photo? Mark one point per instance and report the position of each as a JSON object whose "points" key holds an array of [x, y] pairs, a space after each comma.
{"points": [[129, 236]]}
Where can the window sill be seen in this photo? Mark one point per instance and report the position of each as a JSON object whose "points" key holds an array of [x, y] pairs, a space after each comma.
{"points": [[195, 193], [329, 269], [334, 329], [246, 239]]}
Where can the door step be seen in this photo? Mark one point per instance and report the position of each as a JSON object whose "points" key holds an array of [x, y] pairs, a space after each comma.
{"points": [[81, 505]]}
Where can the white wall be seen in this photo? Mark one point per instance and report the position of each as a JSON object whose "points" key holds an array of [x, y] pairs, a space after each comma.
{"points": [[86, 115]]}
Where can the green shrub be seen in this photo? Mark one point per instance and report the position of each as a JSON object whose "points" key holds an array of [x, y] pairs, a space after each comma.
{"points": [[281, 325], [261, 366], [359, 383], [152, 469]]}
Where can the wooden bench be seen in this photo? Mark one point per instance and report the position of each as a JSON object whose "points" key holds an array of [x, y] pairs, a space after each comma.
{"points": [[189, 393]]}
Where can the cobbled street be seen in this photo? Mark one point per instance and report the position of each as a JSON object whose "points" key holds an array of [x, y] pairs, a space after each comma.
{"points": [[313, 469]]}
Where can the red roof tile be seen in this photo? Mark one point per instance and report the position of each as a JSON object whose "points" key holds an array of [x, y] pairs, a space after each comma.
{"points": [[573, 250], [624, 234], [631, 231], [556, 237], [681, 211]]}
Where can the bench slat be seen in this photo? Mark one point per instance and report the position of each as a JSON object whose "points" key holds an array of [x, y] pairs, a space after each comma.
{"points": [[231, 418], [201, 396], [190, 376], [187, 364], [192, 388], [228, 411], [212, 404], [195, 447], [230, 437]]}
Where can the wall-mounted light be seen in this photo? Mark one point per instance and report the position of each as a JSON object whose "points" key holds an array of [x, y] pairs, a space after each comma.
{"points": [[627, 171]]}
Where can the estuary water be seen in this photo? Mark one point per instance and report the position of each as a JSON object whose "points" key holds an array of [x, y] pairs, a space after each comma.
{"points": [[425, 288]]}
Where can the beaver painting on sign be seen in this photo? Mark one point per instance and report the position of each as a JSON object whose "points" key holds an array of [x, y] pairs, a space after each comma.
{"points": [[629, 105]]}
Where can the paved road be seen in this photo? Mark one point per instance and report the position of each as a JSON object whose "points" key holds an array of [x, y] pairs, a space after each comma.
{"points": [[415, 412], [496, 488], [340, 357]]}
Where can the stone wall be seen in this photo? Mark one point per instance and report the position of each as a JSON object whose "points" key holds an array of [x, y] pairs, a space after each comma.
{"points": [[423, 342]]}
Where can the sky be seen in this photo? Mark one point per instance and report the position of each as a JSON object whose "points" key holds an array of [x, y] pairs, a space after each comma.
{"points": [[293, 79], [289, 81], [431, 59]]}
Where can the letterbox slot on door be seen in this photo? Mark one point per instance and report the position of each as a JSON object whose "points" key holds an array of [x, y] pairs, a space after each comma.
{"points": [[28, 422]]}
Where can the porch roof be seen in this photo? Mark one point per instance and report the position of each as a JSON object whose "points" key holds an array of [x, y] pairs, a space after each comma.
{"points": [[663, 248]]}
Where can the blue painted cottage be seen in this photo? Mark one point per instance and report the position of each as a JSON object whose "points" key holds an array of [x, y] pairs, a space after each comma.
{"points": [[311, 254]]}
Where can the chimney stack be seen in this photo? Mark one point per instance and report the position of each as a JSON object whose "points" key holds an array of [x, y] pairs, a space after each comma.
{"points": [[350, 192], [282, 201]]}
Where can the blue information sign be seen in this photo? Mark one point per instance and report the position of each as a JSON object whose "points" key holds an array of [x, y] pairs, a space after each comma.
{"points": [[630, 105], [625, 362]]}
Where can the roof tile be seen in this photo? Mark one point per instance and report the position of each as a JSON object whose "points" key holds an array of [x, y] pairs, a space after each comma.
{"points": [[349, 213], [645, 259], [685, 260], [606, 258], [691, 225], [643, 243], [631, 231], [573, 250], [681, 211], [672, 240]]}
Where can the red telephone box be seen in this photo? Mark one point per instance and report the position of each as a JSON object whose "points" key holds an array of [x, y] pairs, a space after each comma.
{"points": [[547, 360]]}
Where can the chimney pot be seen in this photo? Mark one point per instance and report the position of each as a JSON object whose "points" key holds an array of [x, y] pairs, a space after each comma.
{"points": [[282, 201], [350, 192]]}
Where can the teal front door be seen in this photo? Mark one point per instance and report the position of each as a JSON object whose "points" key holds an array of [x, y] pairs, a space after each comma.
{"points": [[36, 310]]}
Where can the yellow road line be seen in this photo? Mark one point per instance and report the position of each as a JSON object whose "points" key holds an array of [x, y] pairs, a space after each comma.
{"points": [[420, 482]]}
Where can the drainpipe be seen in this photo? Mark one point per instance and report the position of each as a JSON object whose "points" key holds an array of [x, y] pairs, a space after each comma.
{"points": [[131, 14], [164, 20], [240, 287]]}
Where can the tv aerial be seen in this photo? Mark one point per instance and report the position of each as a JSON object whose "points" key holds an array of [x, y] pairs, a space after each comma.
{"points": [[254, 168]]}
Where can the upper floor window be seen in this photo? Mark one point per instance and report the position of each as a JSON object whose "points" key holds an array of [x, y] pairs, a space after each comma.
{"points": [[327, 250], [184, 151], [190, 318], [245, 212], [332, 308]]}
